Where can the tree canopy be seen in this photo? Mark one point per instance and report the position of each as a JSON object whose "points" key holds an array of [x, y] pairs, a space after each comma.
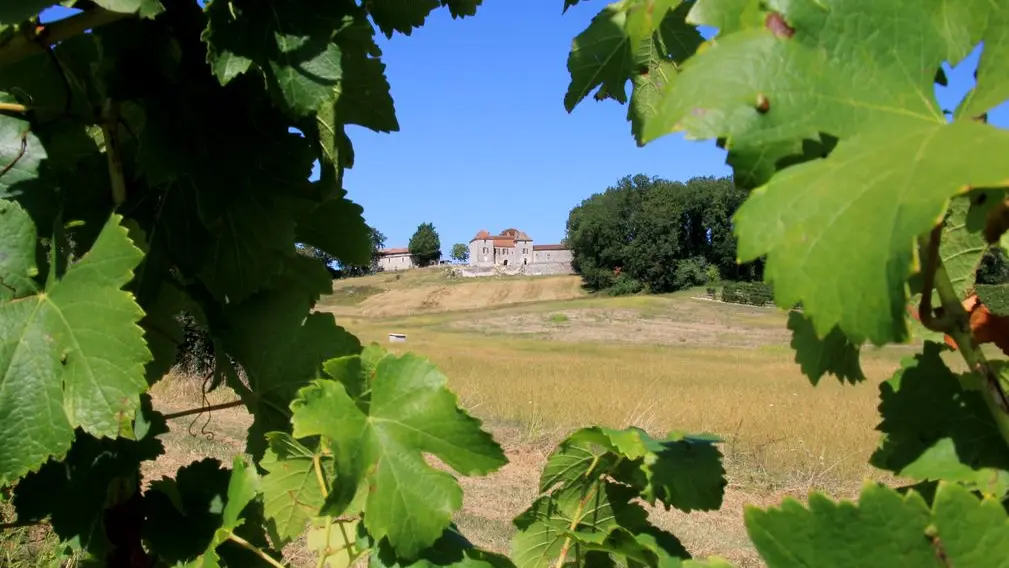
{"points": [[425, 246], [662, 234], [460, 252]]}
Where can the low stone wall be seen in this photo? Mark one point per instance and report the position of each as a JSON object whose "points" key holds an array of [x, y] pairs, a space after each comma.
{"points": [[541, 269]]}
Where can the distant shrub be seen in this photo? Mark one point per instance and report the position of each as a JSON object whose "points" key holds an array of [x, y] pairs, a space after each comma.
{"points": [[712, 293], [558, 318], [752, 293], [625, 285], [690, 272]]}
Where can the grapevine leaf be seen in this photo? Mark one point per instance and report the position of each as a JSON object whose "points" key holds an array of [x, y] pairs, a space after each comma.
{"points": [[289, 43], [598, 515], [680, 471], [451, 549], [960, 249], [292, 495], [754, 98], [362, 95], [382, 444], [144, 8], [935, 429], [281, 345], [74, 352], [325, 540], [601, 56], [971, 531], [74, 493], [992, 86], [246, 247], [883, 529], [162, 330], [336, 226], [729, 16], [400, 15], [20, 10], [833, 354], [802, 215], [17, 252], [191, 517], [21, 154], [995, 297]]}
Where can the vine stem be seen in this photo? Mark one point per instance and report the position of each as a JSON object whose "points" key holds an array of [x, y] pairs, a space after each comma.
{"points": [[37, 40], [110, 122], [255, 550], [13, 107], [203, 409], [957, 326], [574, 524]]}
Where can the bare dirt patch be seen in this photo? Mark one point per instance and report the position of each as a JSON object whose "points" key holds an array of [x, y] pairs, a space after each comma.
{"points": [[677, 324]]}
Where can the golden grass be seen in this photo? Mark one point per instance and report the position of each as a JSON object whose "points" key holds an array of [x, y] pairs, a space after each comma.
{"points": [[659, 362]]}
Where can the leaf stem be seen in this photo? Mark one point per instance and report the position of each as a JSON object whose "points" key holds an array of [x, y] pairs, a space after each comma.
{"points": [[110, 124], [317, 463], [958, 327], [13, 107], [256, 550], [576, 518], [37, 40], [203, 409]]}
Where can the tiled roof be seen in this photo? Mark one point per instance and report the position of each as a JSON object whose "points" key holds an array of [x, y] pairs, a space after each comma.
{"points": [[549, 247], [482, 234], [385, 252], [506, 242]]}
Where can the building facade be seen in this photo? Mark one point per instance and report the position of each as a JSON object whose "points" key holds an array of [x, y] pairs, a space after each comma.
{"points": [[513, 248], [395, 259]]}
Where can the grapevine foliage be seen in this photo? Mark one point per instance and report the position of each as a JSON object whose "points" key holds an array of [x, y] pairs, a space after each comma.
{"points": [[155, 160]]}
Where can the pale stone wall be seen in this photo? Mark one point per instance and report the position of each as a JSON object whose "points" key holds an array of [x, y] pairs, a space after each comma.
{"points": [[401, 261]]}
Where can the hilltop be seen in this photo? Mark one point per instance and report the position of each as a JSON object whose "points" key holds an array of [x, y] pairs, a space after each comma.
{"points": [[430, 290]]}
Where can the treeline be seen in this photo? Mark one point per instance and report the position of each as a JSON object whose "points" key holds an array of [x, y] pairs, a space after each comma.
{"points": [[651, 234]]}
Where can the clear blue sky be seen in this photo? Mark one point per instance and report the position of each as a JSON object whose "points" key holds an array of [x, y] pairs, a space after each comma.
{"points": [[485, 142]]}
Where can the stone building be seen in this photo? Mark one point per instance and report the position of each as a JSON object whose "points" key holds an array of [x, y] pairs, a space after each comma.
{"points": [[513, 248], [394, 259]]}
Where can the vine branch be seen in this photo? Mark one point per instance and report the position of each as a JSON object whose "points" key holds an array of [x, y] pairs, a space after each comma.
{"points": [[38, 39], [202, 409], [255, 550]]}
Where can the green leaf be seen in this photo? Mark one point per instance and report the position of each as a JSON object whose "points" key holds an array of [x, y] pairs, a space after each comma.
{"points": [[995, 297], [144, 8], [21, 154], [17, 252], [292, 495], [400, 15], [74, 352], [962, 22], [935, 429], [756, 88], [680, 471], [73, 494], [883, 529], [799, 218], [451, 549], [833, 354], [383, 444], [246, 248], [960, 249], [16, 11], [728, 16], [290, 44], [336, 226], [970, 531], [281, 345], [643, 41], [222, 513]]}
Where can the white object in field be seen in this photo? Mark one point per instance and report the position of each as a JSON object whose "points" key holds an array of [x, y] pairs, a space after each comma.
{"points": [[397, 337]]}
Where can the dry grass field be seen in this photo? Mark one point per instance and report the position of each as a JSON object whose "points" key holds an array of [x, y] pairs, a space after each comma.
{"points": [[535, 358]]}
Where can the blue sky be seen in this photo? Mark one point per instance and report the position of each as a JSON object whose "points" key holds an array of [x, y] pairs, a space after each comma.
{"points": [[485, 142]]}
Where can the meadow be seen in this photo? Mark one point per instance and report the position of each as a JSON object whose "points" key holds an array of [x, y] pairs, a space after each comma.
{"points": [[536, 357]]}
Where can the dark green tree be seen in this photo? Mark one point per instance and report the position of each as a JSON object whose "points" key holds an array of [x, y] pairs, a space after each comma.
{"points": [[662, 234], [377, 244], [425, 246], [460, 252]]}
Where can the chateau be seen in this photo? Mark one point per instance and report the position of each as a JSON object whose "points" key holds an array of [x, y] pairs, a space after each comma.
{"points": [[511, 250]]}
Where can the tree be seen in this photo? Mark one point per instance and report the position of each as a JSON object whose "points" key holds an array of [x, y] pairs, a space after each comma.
{"points": [[425, 246], [460, 252], [660, 233]]}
